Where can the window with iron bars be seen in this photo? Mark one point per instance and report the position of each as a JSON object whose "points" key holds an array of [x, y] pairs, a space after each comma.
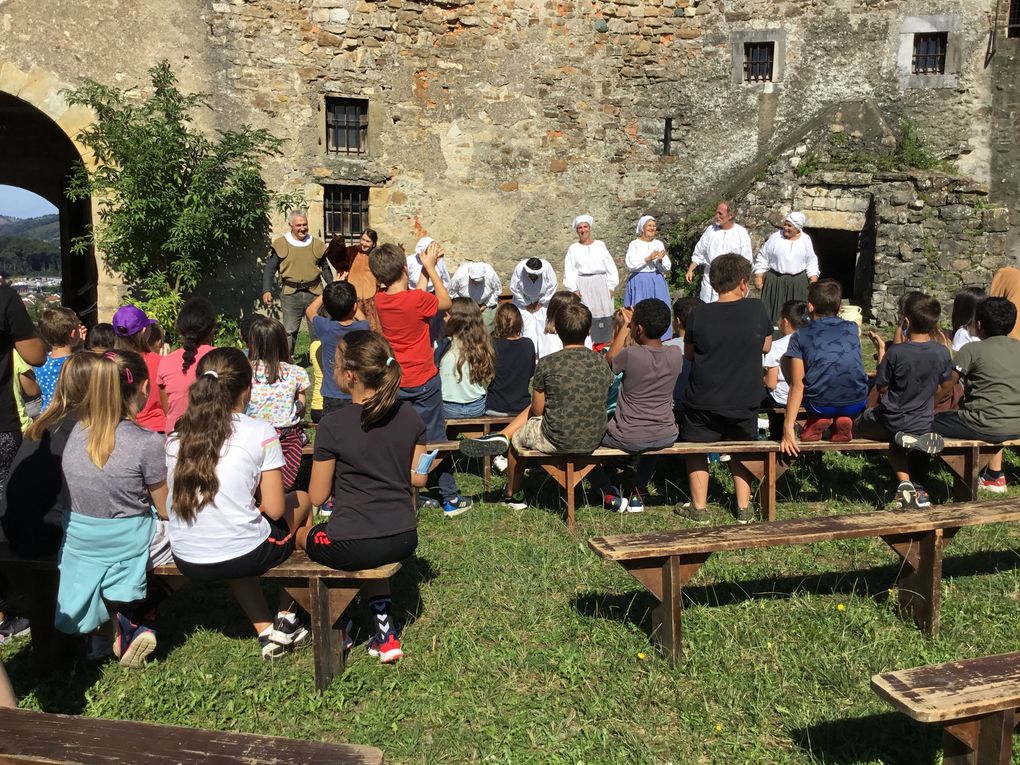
{"points": [[346, 125], [346, 212], [758, 59], [930, 53], [1013, 19]]}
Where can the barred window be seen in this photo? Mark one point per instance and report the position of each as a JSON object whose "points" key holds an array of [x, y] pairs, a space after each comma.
{"points": [[346, 212], [930, 53], [758, 60], [1013, 20], [346, 125]]}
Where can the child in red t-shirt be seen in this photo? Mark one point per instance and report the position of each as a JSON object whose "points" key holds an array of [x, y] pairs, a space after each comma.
{"points": [[404, 316]]}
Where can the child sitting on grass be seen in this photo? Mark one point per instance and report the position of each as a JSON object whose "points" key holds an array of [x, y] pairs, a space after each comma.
{"points": [[990, 371], [218, 460], [724, 343], [643, 419], [568, 403], [365, 460], [341, 304], [466, 360], [909, 376], [62, 330], [826, 371]]}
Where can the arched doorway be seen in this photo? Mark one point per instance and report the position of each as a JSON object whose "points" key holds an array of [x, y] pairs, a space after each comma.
{"points": [[36, 154]]}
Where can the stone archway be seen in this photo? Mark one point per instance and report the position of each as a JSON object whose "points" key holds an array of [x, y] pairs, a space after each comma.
{"points": [[37, 152]]}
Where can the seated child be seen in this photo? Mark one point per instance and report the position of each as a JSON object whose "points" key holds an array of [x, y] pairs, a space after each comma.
{"points": [[509, 392], [341, 304], [549, 342], [278, 390], [682, 308], [365, 460], [908, 378], [101, 338], [792, 316], [217, 459], [990, 371], [964, 304], [196, 326], [826, 371], [567, 413], [642, 421], [405, 315], [724, 342], [466, 360], [62, 330]]}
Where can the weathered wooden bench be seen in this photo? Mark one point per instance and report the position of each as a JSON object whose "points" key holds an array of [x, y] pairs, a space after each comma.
{"points": [[37, 737], [665, 561], [977, 702], [324, 592], [474, 427]]}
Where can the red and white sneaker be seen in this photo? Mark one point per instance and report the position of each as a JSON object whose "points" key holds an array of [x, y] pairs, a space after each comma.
{"points": [[387, 651], [994, 485]]}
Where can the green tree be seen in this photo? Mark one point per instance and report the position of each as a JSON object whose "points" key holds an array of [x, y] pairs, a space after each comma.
{"points": [[174, 204]]}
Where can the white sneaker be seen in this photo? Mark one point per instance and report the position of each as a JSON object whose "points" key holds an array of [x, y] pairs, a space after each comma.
{"points": [[500, 463]]}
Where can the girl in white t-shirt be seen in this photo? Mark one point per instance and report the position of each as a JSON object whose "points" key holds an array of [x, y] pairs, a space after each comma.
{"points": [[277, 389], [964, 304], [217, 460], [792, 316]]}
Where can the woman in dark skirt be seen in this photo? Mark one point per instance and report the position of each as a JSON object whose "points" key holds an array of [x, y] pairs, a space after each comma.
{"points": [[785, 265]]}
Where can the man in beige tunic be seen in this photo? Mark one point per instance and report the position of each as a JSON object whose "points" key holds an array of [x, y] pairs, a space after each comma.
{"points": [[298, 257]]}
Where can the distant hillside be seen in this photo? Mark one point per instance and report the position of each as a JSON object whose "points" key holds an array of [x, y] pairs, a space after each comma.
{"points": [[44, 228], [22, 256]]}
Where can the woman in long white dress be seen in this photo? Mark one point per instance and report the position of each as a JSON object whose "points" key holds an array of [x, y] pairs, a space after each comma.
{"points": [[590, 272], [785, 265]]}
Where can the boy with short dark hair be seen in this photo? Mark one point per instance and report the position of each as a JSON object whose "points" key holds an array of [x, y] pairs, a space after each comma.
{"points": [[568, 403], [404, 317], [63, 331], [990, 371], [724, 343], [909, 376], [341, 303], [642, 419], [825, 371]]}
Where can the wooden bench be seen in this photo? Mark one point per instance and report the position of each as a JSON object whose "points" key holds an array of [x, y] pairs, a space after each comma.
{"points": [[665, 561], [37, 737], [977, 702], [475, 427], [324, 592]]}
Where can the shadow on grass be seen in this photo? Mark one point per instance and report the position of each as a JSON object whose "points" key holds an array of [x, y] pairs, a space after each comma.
{"points": [[60, 687], [635, 607], [889, 738]]}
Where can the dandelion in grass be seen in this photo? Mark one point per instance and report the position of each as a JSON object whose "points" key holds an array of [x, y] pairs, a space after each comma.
{"points": [[718, 727], [641, 655], [840, 607]]}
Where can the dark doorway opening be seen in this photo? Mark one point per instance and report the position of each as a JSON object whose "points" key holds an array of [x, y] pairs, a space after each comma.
{"points": [[35, 154], [837, 252]]}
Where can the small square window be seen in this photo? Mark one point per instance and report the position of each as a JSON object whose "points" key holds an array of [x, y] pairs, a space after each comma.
{"points": [[758, 59], [346, 125], [930, 53], [1013, 21], [346, 212]]}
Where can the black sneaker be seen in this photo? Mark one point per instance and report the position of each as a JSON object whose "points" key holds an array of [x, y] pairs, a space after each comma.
{"points": [[929, 443], [271, 649], [746, 515], [486, 446], [912, 496], [288, 631], [690, 512], [428, 503], [13, 626], [514, 501]]}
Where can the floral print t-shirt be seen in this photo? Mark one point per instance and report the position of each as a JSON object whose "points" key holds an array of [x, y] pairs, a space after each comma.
{"points": [[276, 403]]}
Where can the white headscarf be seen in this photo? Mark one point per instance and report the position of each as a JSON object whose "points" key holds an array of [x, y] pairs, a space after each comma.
{"points": [[796, 219], [641, 223], [423, 244], [582, 219]]}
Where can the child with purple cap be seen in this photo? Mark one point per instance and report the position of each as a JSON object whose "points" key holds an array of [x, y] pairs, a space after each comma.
{"points": [[132, 332]]}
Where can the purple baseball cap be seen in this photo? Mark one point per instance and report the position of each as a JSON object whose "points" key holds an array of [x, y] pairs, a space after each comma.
{"points": [[130, 320]]}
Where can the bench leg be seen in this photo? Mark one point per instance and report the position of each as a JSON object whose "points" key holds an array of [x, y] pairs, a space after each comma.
{"points": [[764, 469], [327, 642], [920, 580], [987, 740], [665, 579], [51, 649], [568, 477], [964, 464]]}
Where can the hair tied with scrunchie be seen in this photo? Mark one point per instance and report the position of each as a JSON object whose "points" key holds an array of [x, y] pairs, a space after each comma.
{"points": [[389, 360], [128, 377], [211, 373]]}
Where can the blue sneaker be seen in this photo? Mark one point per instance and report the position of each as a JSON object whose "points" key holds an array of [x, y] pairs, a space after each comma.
{"points": [[613, 501], [133, 642], [456, 506]]}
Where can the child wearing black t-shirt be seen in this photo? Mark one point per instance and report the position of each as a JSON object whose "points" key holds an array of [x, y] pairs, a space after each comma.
{"points": [[724, 342], [365, 458], [509, 392]]}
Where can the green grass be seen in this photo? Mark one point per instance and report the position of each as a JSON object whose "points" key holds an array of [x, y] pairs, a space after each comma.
{"points": [[524, 647]]}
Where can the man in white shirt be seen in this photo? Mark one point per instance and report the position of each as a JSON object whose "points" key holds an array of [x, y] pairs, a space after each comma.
{"points": [[532, 285], [722, 237], [479, 282]]}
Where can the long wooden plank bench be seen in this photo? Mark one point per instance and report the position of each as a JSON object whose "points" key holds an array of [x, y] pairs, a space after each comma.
{"points": [[977, 702], [665, 561], [37, 737], [964, 458], [324, 592]]}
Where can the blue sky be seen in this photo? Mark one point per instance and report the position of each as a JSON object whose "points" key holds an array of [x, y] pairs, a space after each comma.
{"points": [[18, 203]]}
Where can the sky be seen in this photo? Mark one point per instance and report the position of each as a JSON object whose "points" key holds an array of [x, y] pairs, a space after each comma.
{"points": [[18, 203]]}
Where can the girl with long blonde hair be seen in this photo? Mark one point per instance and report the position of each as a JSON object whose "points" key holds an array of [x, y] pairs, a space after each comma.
{"points": [[466, 361]]}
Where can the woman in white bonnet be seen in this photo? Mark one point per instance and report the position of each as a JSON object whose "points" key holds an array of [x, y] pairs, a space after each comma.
{"points": [[648, 264], [785, 265], [589, 271]]}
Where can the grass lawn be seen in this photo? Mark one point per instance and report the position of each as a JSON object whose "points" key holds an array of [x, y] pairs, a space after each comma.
{"points": [[522, 646]]}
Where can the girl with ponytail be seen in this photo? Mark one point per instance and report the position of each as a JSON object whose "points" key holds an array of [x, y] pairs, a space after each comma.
{"points": [[196, 325], [366, 456], [229, 516], [115, 472]]}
